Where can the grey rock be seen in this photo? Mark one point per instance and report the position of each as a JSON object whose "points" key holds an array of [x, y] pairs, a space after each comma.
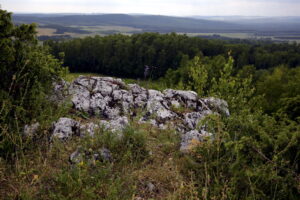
{"points": [[106, 154], [175, 103], [88, 129], [193, 135], [111, 99], [140, 95], [150, 187], [217, 105], [156, 106], [187, 98], [31, 130], [111, 113], [64, 128], [99, 103], [192, 119], [80, 98], [60, 91], [77, 156], [115, 125], [85, 82]]}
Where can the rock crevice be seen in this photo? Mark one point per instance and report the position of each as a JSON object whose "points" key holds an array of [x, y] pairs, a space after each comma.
{"points": [[113, 100]]}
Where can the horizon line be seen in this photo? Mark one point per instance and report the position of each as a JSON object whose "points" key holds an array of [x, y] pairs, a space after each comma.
{"points": [[99, 13]]}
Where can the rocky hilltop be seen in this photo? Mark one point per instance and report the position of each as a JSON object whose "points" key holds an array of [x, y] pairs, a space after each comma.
{"points": [[115, 103]]}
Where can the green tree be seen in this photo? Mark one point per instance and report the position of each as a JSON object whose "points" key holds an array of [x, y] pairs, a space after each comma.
{"points": [[27, 73]]}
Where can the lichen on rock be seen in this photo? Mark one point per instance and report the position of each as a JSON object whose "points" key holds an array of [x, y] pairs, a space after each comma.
{"points": [[113, 101]]}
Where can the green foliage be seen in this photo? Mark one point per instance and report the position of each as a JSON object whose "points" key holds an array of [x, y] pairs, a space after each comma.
{"points": [[192, 75], [126, 56], [259, 160], [27, 72], [100, 179], [280, 86], [252, 155]]}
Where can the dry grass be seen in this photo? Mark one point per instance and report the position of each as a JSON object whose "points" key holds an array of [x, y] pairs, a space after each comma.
{"points": [[35, 175]]}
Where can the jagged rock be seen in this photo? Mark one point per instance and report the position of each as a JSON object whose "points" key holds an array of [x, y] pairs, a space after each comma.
{"points": [[140, 95], [217, 105], [187, 98], [64, 128], [111, 99], [30, 130], [98, 104], [192, 119], [116, 125], [175, 103], [192, 138], [157, 106], [88, 129], [111, 113], [80, 98], [60, 91], [123, 98]]}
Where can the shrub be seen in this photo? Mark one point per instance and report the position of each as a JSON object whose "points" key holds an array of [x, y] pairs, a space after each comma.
{"points": [[27, 73]]}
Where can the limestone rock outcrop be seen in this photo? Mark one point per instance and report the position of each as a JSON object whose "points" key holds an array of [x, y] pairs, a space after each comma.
{"points": [[114, 101]]}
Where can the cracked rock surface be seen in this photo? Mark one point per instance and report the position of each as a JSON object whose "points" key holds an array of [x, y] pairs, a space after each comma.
{"points": [[113, 101]]}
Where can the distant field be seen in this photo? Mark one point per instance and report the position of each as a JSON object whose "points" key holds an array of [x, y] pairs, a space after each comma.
{"points": [[46, 31], [287, 38], [101, 29], [94, 30], [229, 35], [108, 30]]}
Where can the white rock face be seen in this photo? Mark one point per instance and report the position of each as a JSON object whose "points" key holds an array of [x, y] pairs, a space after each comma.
{"points": [[64, 128], [116, 125], [113, 100]]}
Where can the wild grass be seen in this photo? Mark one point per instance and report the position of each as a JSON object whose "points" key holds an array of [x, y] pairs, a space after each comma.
{"points": [[143, 167]]}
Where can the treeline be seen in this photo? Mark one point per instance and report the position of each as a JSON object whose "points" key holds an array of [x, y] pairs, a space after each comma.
{"points": [[127, 56]]}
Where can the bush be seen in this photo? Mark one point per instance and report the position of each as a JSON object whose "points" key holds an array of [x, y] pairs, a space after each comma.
{"points": [[27, 73]]}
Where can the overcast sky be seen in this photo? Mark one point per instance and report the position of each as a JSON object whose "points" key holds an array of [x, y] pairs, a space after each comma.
{"points": [[162, 7]]}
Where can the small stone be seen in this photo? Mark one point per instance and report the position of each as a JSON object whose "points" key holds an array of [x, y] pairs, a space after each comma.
{"points": [[31, 130], [105, 154], [76, 157], [150, 187]]}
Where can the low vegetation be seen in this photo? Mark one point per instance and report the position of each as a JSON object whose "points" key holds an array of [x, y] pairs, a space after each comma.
{"points": [[254, 153]]}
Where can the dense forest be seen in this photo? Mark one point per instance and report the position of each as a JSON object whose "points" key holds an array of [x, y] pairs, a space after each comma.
{"points": [[126, 56], [254, 152], [273, 67]]}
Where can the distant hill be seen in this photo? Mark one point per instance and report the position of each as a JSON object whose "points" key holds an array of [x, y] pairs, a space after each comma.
{"points": [[278, 29], [258, 23], [155, 23]]}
